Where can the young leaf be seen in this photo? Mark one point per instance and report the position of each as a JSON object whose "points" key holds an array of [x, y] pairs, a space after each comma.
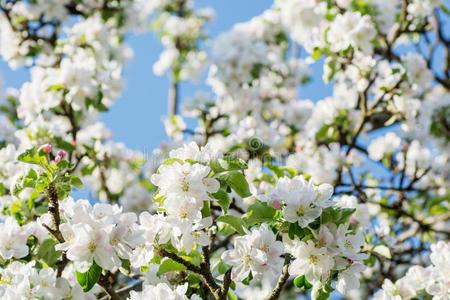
{"points": [[302, 282], [296, 231], [223, 199], [168, 265], [237, 182], [76, 182], [235, 222], [228, 163], [259, 212], [33, 156], [336, 215], [48, 253], [89, 279]]}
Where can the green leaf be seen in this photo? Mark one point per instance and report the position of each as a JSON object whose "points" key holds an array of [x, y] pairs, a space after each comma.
{"points": [[248, 279], [235, 222], [33, 156], [336, 215], [236, 180], [296, 231], [445, 9], [223, 199], [206, 209], [89, 279], [172, 160], [259, 212], [281, 171], [88, 169], [323, 292], [62, 144], [231, 295], [76, 182], [222, 267], [56, 88], [168, 265], [48, 253], [2, 189], [317, 53], [228, 163], [302, 282]]}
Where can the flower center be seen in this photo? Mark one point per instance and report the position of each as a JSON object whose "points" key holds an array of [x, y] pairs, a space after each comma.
{"points": [[184, 185], [313, 259], [265, 248], [301, 211], [92, 246], [247, 259], [348, 244], [183, 214]]}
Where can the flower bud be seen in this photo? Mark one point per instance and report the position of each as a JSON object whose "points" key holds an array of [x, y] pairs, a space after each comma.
{"points": [[47, 148], [61, 153], [57, 158]]}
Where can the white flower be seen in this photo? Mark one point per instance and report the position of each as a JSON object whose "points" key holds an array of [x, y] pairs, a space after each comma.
{"points": [[13, 240], [178, 180], [244, 258], [194, 234], [89, 245], [417, 71], [351, 29], [350, 244], [156, 230], [161, 291], [401, 290], [302, 18], [422, 8], [183, 210], [418, 159], [165, 61], [361, 214], [384, 146], [349, 278], [193, 152], [299, 196], [264, 239], [174, 126], [314, 263], [440, 257], [125, 236]]}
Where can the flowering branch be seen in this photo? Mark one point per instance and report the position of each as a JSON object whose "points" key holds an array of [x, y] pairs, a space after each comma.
{"points": [[276, 292], [203, 270]]}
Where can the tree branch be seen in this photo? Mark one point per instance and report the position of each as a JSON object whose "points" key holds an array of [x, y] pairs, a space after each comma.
{"points": [[275, 294]]}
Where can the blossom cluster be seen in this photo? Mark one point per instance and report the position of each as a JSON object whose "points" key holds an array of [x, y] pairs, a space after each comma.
{"points": [[431, 281], [269, 195], [180, 28]]}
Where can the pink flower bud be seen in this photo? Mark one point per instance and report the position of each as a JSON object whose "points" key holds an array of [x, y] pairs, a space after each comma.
{"points": [[57, 158], [61, 153], [276, 204], [47, 148]]}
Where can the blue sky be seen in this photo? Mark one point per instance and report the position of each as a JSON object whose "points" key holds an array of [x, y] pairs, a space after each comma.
{"points": [[135, 118]]}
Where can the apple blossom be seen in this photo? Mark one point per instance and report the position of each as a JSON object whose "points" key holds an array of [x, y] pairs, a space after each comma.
{"points": [[267, 194]]}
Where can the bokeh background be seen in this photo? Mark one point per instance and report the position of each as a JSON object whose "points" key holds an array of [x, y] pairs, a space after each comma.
{"points": [[135, 118]]}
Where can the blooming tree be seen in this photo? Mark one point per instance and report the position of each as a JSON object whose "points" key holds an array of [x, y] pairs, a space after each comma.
{"points": [[268, 196]]}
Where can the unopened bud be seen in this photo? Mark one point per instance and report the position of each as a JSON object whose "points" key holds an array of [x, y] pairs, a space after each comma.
{"points": [[61, 153], [276, 204], [47, 148], [57, 158]]}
